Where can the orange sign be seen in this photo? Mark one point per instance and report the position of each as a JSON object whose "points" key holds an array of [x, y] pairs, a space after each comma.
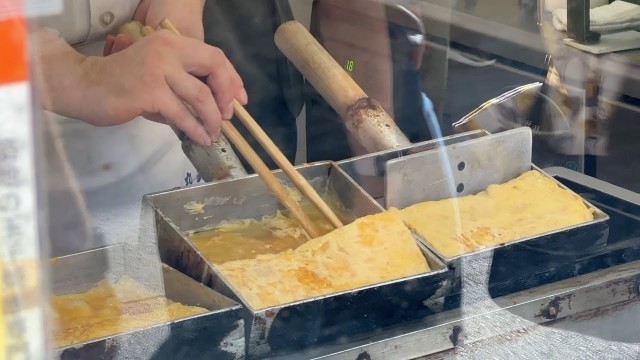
{"points": [[13, 46]]}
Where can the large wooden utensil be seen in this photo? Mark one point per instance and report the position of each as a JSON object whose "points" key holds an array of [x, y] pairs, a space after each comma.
{"points": [[365, 118]]}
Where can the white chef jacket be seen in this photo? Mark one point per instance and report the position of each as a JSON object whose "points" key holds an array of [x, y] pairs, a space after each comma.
{"points": [[86, 21], [115, 166]]}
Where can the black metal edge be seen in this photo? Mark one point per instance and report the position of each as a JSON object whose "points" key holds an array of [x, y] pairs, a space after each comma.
{"points": [[592, 250], [349, 316], [273, 329], [183, 338], [213, 336], [579, 22]]}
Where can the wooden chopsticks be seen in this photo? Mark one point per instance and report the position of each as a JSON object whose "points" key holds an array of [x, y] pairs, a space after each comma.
{"points": [[298, 180], [271, 180], [259, 166]]}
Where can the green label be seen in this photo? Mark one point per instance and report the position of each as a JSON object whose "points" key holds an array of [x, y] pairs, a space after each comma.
{"points": [[349, 65]]}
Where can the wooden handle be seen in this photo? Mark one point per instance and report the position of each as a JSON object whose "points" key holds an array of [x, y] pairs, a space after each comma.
{"points": [[298, 180], [257, 164], [365, 119], [318, 66]]}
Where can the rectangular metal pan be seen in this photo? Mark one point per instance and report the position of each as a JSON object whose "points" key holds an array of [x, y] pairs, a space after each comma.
{"points": [[622, 240], [286, 328], [216, 334], [470, 167]]}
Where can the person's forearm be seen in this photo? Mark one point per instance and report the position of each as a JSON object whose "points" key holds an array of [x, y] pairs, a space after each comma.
{"points": [[58, 65], [152, 78]]}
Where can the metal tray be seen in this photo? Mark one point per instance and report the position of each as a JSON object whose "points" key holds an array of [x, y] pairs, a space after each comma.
{"points": [[282, 329], [217, 334], [470, 167], [622, 240]]}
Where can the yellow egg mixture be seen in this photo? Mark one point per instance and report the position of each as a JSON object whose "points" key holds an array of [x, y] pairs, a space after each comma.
{"points": [[108, 309], [529, 205], [246, 239], [271, 262]]}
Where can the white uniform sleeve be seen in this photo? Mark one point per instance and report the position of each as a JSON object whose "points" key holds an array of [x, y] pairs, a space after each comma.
{"points": [[82, 22]]}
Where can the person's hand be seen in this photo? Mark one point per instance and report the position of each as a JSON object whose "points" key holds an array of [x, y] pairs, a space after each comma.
{"points": [[151, 78], [185, 15], [154, 76]]}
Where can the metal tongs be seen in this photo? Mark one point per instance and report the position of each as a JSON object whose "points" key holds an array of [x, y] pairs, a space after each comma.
{"points": [[136, 31]]}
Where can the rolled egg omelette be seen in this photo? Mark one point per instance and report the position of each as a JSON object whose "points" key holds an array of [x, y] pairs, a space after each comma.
{"points": [[380, 247], [370, 250]]}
